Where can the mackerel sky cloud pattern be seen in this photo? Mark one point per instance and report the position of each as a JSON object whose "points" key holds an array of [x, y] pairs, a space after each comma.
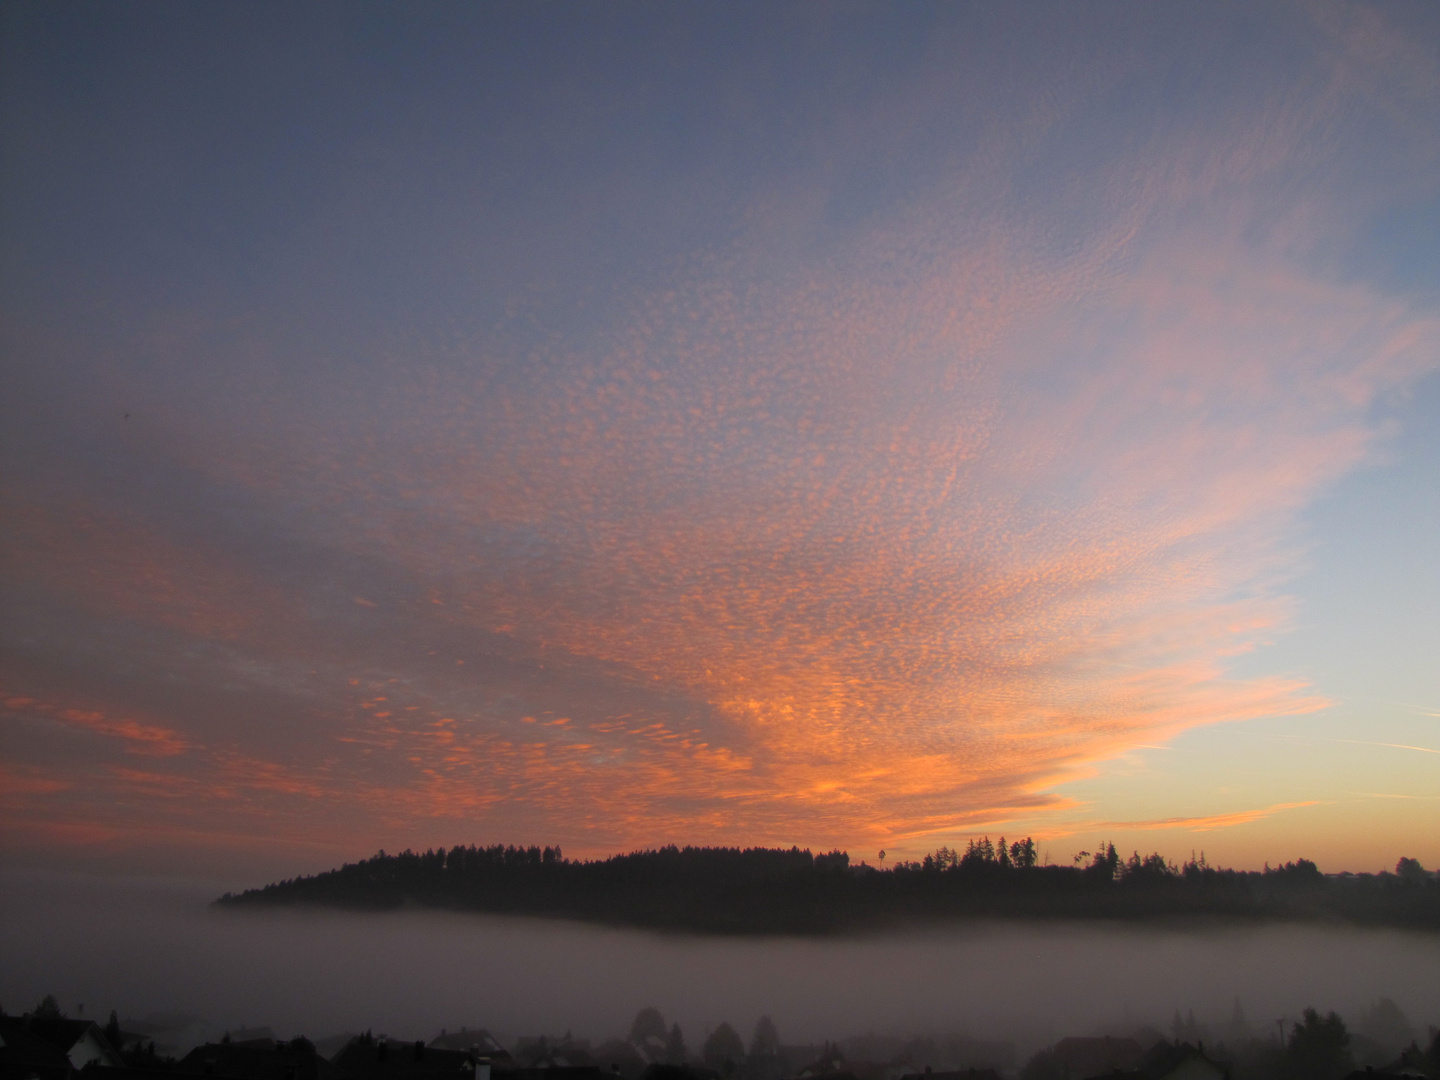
{"points": [[661, 450]]}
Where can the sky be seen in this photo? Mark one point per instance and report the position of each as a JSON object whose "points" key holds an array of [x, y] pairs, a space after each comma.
{"points": [[615, 425]]}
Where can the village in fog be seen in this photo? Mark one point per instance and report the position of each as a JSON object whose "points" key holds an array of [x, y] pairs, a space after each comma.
{"points": [[1382, 1043]]}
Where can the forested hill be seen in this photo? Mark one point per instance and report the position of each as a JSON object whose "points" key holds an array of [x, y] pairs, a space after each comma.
{"points": [[775, 891]]}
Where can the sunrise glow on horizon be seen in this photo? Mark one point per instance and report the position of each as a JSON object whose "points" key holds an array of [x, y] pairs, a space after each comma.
{"points": [[612, 426]]}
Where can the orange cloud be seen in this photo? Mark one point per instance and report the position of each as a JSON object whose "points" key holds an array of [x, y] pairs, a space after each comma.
{"points": [[140, 738], [896, 641], [1204, 824], [29, 781]]}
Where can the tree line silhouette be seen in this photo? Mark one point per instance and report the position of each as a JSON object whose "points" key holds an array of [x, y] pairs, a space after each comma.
{"points": [[788, 891]]}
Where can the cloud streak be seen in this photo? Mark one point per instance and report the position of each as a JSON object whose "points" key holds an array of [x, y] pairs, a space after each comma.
{"points": [[139, 738], [1204, 823]]}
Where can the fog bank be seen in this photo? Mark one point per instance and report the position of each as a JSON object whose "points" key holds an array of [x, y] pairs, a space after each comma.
{"points": [[146, 947]]}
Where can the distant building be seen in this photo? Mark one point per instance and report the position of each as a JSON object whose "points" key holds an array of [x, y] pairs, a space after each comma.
{"points": [[1080, 1058], [829, 1065], [82, 1041], [1172, 1061], [544, 1052], [264, 1031], [652, 1048], [1168, 1061], [477, 1041], [26, 1056], [52, 1048], [370, 1057], [620, 1057]]}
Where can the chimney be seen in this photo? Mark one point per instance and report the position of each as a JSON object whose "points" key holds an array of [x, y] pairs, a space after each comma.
{"points": [[482, 1068]]}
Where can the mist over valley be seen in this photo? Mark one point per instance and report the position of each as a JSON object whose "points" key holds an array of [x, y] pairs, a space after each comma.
{"points": [[149, 948]]}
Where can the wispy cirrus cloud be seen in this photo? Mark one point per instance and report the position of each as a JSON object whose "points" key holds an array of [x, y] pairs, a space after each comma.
{"points": [[1392, 746], [1204, 823], [138, 737]]}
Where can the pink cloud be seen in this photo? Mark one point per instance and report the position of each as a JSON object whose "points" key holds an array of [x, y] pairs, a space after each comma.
{"points": [[140, 738]]}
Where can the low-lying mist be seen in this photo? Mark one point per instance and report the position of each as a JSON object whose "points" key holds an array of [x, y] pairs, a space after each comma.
{"points": [[145, 947]]}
